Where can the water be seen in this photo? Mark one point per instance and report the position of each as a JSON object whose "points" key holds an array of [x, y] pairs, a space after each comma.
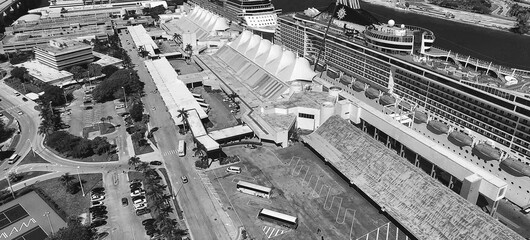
{"points": [[500, 47]]}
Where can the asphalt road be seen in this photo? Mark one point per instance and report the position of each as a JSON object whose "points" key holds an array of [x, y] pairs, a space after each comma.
{"points": [[205, 218]]}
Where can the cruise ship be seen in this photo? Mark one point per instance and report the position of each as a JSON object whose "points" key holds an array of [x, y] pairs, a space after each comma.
{"points": [[65, 7], [476, 109], [258, 15]]}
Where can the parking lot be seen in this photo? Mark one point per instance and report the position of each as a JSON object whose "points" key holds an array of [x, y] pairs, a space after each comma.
{"points": [[304, 187]]}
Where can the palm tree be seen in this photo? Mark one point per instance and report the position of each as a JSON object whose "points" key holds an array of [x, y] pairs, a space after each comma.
{"points": [[66, 179], [199, 149], [184, 115], [133, 161], [188, 50], [103, 119], [109, 118], [142, 167]]}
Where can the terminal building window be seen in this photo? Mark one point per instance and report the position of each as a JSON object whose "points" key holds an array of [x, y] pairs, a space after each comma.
{"points": [[304, 115]]}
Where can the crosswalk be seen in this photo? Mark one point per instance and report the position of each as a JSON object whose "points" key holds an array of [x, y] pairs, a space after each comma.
{"points": [[271, 232], [16, 107], [170, 152]]}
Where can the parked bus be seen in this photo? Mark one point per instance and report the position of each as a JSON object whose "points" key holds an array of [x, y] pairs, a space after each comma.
{"points": [[253, 189], [196, 95], [200, 100], [278, 218], [182, 148]]}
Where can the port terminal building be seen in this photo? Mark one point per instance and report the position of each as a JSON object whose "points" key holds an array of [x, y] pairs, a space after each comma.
{"points": [[277, 99]]}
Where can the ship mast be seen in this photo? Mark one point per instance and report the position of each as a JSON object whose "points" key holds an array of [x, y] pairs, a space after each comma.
{"points": [[326, 34]]}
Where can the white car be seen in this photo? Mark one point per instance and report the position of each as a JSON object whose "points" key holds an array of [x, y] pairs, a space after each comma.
{"points": [[96, 197], [96, 203], [140, 206], [20, 112], [137, 193], [139, 201]]}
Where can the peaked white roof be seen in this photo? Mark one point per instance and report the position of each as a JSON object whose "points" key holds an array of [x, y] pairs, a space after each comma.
{"points": [[263, 48], [301, 69], [279, 63], [274, 52], [220, 24], [243, 37]]}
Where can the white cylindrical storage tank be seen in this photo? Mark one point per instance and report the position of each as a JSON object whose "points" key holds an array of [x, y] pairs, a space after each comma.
{"points": [[327, 109], [295, 87], [334, 92]]}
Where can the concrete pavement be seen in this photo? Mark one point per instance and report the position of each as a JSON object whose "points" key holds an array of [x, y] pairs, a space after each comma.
{"points": [[205, 217]]}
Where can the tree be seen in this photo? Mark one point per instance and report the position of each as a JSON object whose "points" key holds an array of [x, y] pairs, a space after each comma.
{"points": [[5, 132], [189, 50], [184, 115], [68, 181], [142, 167], [51, 120], [19, 72], [94, 69], [13, 177], [54, 94], [136, 111], [109, 118], [100, 145], [199, 149], [521, 25], [111, 87], [103, 119], [109, 70], [78, 72], [74, 230], [133, 161]]}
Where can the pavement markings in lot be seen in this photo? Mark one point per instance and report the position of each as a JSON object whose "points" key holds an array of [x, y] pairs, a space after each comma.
{"points": [[208, 184], [243, 178], [386, 232], [271, 232], [171, 152]]}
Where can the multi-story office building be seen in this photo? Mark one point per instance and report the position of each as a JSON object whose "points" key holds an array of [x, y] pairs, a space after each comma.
{"points": [[25, 36], [63, 53], [490, 102]]}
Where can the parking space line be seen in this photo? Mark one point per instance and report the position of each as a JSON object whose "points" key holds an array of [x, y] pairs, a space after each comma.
{"points": [[352, 222], [306, 176], [327, 196], [338, 211]]}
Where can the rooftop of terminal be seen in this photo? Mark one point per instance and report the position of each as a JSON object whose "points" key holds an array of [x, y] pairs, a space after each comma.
{"points": [[59, 46]]}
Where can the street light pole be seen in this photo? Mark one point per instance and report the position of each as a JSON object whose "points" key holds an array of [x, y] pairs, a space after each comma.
{"points": [[10, 187], [47, 214], [31, 146], [80, 182], [125, 96]]}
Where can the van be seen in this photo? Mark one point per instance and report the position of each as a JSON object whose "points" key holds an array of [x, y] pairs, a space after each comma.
{"points": [[526, 209], [233, 169], [13, 158]]}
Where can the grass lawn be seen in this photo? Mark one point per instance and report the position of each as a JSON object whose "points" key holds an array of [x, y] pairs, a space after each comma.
{"points": [[71, 204], [32, 159], [107, 157], [178, 210], [22, 176], [141, 150], [135, 175], [15, 141], [106, 128]]}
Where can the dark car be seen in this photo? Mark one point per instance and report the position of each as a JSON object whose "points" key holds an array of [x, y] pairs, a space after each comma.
{"points": [[137, 197], [143, 211], [101, 235], [135, 185], [156, 163], [101, 214], [24, 99], [124, 201], [148, 221], [98, 190], [97, 208], [98, 223]]}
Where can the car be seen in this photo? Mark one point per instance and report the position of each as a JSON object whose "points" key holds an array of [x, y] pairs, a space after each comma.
{"points": [[136, 185], [96, 203], [137, 193], [98, 190], [140, 206], [97, 197], [124, 201], [139, 201], [101, 214], [17, 94], [24, 99], [98, 224], [1, 114], [184, 179], [20, 112], [137, 197], [233, 169], [140, 212], [97, 208], [148, 221], [104, 218], [156, 163], [136, 189], [101, 235], [151, 232]]}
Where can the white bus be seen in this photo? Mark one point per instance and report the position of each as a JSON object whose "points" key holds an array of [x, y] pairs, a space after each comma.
{"points": [[253, 189], [278, 218], [13, 158], [182, 148], [196, 95], [200, 100]]}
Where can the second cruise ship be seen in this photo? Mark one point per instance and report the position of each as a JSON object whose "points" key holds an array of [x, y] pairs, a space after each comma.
{"points": [[477, 109], [258, 15]]}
